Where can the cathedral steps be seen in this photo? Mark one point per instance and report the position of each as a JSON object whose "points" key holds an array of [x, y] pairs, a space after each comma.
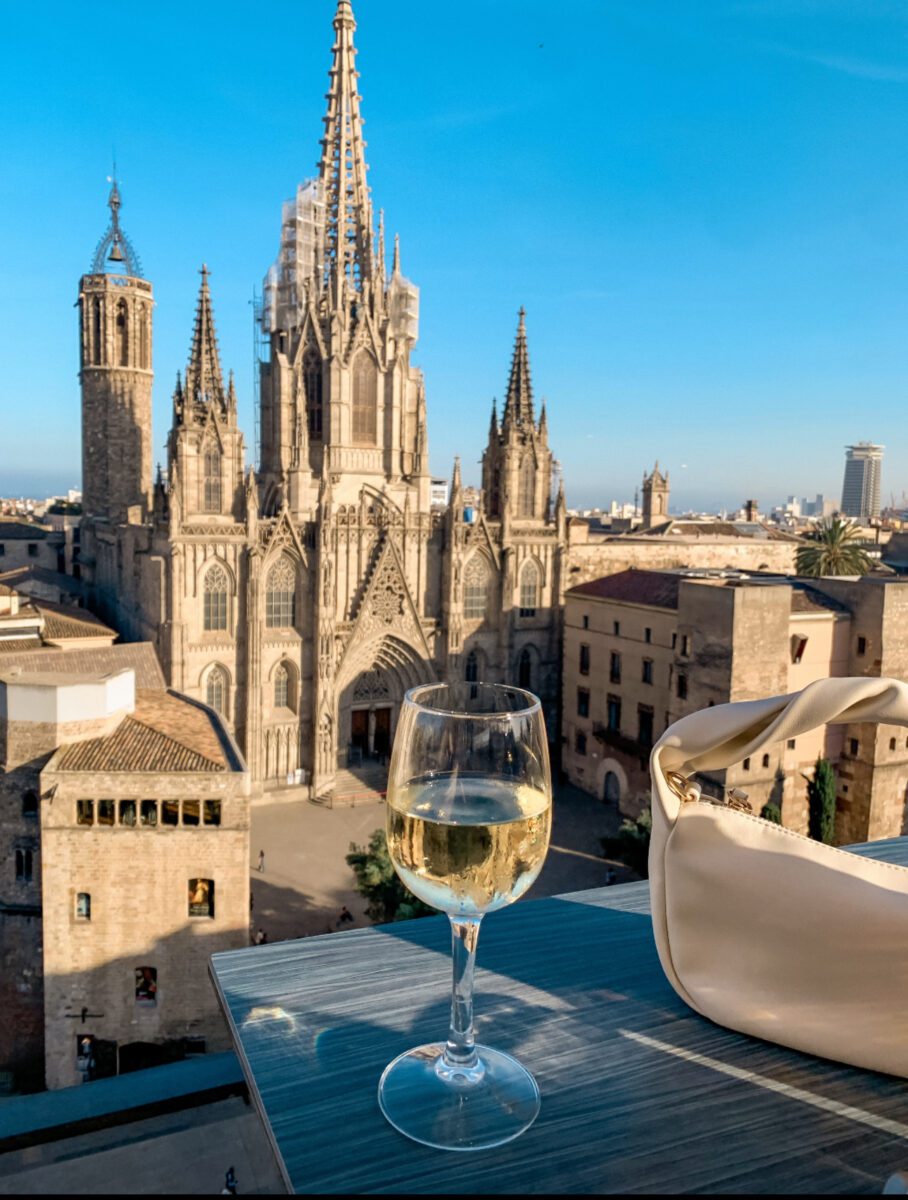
{"points": [[364, 785]]}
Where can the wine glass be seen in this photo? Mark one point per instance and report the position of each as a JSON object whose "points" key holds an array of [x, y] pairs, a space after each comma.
{"points": [[469, 820]]}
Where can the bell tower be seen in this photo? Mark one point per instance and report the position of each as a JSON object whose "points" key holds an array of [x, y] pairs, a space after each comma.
{"points": [[115, 310], [655, 498]]}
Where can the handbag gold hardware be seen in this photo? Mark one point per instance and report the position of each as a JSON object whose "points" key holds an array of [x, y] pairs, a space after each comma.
{"points": [[690, 792]]}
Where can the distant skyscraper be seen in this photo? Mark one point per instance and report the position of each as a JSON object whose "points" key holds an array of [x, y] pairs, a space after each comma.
{"points": [[861, 489]]}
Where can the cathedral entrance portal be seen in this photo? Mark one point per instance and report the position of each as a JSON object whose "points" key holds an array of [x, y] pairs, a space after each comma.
{"points": [[369, 699], [370, 732]]}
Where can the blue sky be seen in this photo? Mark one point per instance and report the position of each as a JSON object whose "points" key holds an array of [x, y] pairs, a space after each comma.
{"points": [[703, 205]]}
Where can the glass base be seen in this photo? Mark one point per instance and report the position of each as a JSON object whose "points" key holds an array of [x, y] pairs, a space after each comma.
{"points": [[464, 1109]]}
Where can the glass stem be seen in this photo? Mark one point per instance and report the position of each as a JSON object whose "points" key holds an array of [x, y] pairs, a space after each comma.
{"points": [[461, 1049]]}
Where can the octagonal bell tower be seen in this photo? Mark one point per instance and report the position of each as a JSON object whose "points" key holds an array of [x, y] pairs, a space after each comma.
{"points": [[115, 308]]}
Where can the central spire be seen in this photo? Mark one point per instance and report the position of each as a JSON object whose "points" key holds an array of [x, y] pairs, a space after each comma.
{"points": [[204, 381], [348, 210]]}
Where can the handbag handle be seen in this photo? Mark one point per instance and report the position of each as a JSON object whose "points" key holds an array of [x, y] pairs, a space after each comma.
{"points": [[717, 737]]}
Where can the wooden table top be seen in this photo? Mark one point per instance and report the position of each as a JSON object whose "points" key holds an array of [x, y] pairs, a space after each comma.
{"points": [[639, 1094]]}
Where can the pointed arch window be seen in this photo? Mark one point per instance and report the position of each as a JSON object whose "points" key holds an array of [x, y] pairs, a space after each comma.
{"points": [[122, 324], [96, 338], [284, 690], [142, 338], [475, 588], [529, 589], [312, 381], [214, 604], [471, 668], [280, 596], [526, 488], [211, 499], [525, 670], [365, 400], [217, 689]]}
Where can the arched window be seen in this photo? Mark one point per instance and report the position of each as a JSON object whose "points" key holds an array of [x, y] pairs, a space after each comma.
{"points": [[216, 689], [281, 687], [471, 668], [365, 400], [475, 588], [529, 589], [142, 334], [211, 500], [312, 381], [525, 670], [122, 334], [526, 490], [96, 339], [611, 789], [30, 805], [216, 587], [280, 596]]}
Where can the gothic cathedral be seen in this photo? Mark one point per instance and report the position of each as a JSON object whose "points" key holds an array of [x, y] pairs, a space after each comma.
{"points": [[303, 598]]}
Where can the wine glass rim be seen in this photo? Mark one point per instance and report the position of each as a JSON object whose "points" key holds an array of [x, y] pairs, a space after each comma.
{"points": [[534, 704]]}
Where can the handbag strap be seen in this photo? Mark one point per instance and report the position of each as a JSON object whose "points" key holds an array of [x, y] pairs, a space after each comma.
{"points": [[717, 737]]}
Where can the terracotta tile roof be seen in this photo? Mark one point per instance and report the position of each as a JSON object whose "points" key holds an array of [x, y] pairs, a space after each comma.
{"points": [[165, 733], [63, 621], [806, 599], [656, 588], [10, 645], [99, 660]]}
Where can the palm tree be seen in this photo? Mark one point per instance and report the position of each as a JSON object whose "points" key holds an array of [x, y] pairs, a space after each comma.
{"points": [[833, 550]]}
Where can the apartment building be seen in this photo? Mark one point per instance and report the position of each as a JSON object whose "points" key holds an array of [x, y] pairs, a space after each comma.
{"points": [[643, 648]]}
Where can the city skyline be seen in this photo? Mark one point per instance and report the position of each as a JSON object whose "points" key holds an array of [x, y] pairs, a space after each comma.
{"points": [[671, 270]]}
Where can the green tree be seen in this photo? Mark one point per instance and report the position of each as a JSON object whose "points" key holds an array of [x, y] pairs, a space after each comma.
{"points": [[631, 844], [377, 880], [821, 802], [771, 812], [833, 550]]}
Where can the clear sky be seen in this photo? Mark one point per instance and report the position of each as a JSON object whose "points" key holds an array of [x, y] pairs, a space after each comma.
{"points": [[703, 205]]}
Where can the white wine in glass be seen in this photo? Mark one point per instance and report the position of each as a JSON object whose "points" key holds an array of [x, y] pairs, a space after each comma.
{"points": [[469, 821]]}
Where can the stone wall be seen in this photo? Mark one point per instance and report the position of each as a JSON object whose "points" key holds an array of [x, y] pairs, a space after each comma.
{"points": [[21, 988], [593, 558], [138, 881]]}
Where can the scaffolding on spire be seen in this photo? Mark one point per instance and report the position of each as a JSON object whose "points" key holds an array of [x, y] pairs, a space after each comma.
{"points": [[349, 250]]}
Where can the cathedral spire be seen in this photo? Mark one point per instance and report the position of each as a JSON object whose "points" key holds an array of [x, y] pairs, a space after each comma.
{"points": [[518, 408], [204, 382], [493, 423], [342, 171]]}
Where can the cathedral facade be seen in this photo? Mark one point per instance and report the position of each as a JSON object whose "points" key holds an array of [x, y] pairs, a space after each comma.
{"points": [[302, 598]]}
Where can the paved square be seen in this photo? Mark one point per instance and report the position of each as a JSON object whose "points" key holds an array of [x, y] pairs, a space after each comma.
{"points": [[306, 881]]}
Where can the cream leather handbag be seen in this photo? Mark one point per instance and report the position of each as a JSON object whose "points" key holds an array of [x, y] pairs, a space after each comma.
{"points": [[759, 928]]}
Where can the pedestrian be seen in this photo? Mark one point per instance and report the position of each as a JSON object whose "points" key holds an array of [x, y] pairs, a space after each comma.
{"points": [[610, 877], [262, 861], [345, 915], [230, 1184], [260, 938]]}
